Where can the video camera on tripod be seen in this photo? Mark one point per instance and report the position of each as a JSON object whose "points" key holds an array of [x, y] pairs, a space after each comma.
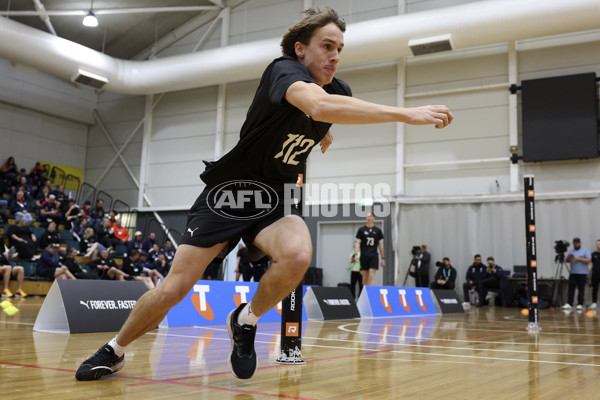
{"points": [[560, 247], [415, 263], [416, 251]]}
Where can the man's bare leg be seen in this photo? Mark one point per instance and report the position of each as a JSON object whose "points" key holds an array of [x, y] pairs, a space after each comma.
{"points": [[5, 271], [187, 268], [372, 272], [188, 265], [288, 243], [364, 274]]}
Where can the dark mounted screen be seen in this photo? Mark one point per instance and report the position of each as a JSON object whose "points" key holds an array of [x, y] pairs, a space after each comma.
{"points": [[560, 118]]}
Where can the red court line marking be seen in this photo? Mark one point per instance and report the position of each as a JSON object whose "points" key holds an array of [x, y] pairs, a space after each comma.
{"points": [[169, 381], [67, 370]]}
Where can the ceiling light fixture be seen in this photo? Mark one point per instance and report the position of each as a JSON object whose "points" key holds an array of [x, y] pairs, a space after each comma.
{"points": [[90, 19]]}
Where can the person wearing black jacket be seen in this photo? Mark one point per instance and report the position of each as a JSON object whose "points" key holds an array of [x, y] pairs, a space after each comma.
{"points": [[491, 280], [21, 238], [50, 236], [134, 271], [420, 262], [75, 268], [497, 280], [106, 268], [475, 274], [445, 276]]}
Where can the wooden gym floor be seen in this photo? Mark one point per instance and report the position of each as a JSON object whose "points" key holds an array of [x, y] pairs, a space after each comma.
{"points": [[483, 354]]}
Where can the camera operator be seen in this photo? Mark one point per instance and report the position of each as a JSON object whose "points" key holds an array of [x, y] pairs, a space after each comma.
{"points": [[445, 276], [580, 259], [420, 265], [491, 280], [475, 274]]}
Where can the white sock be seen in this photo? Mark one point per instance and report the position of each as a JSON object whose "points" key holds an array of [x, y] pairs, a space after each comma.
{"points": [[247, 317], [119, 350]]}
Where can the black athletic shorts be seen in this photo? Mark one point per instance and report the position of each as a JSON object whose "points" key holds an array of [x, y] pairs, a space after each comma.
{"points": [[205, 227], [369, 262]]}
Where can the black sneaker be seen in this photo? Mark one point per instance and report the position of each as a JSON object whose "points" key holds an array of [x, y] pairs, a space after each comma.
{"points": [[242, 359], [104, 362]]}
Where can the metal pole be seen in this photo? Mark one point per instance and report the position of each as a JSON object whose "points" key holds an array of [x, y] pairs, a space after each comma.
{"points": [[532, 270]]}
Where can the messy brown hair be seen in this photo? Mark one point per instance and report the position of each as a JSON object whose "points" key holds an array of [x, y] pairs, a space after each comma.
{"points": [[304, 29]]}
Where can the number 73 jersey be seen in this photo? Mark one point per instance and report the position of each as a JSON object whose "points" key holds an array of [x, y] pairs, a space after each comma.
{"points": [[369, 240], [276, 137]]}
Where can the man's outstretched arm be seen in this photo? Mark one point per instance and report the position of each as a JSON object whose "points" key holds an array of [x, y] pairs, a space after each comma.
{"points": [[336, 109]]}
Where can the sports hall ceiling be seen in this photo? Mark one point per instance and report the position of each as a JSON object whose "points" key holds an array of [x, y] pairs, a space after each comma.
{"points": [[127, 28]]}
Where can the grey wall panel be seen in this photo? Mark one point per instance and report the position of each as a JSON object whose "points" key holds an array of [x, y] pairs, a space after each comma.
{"points": [[30, 136], [45, 94]]}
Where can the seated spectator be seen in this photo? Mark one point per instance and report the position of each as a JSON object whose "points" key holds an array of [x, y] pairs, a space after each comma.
{"points": [[39, 180], [10, 169], [149, 242], [88, 245], [98, 211], [112, 215], [131, 268], [153, 253], [445, 276], [87, 212], [136, 243], [120, 232], [79, 229], [4, 184], [47, 267], [169, 251], [72, 214], [50, 236], [494, 279], [24, 185], [106, 268], [61, 199], [50, 211], [161, 265], [106, 235], [475, 273], [75, 268], [3, 207], [19, 178], [7, 270], [37, 169], [148, 268], [41, 196], [20, 208], [22, 239]]}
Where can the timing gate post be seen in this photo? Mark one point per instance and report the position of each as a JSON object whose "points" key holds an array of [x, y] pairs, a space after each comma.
{"points": [[291, 329], [532, 271], [291, 306]]}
